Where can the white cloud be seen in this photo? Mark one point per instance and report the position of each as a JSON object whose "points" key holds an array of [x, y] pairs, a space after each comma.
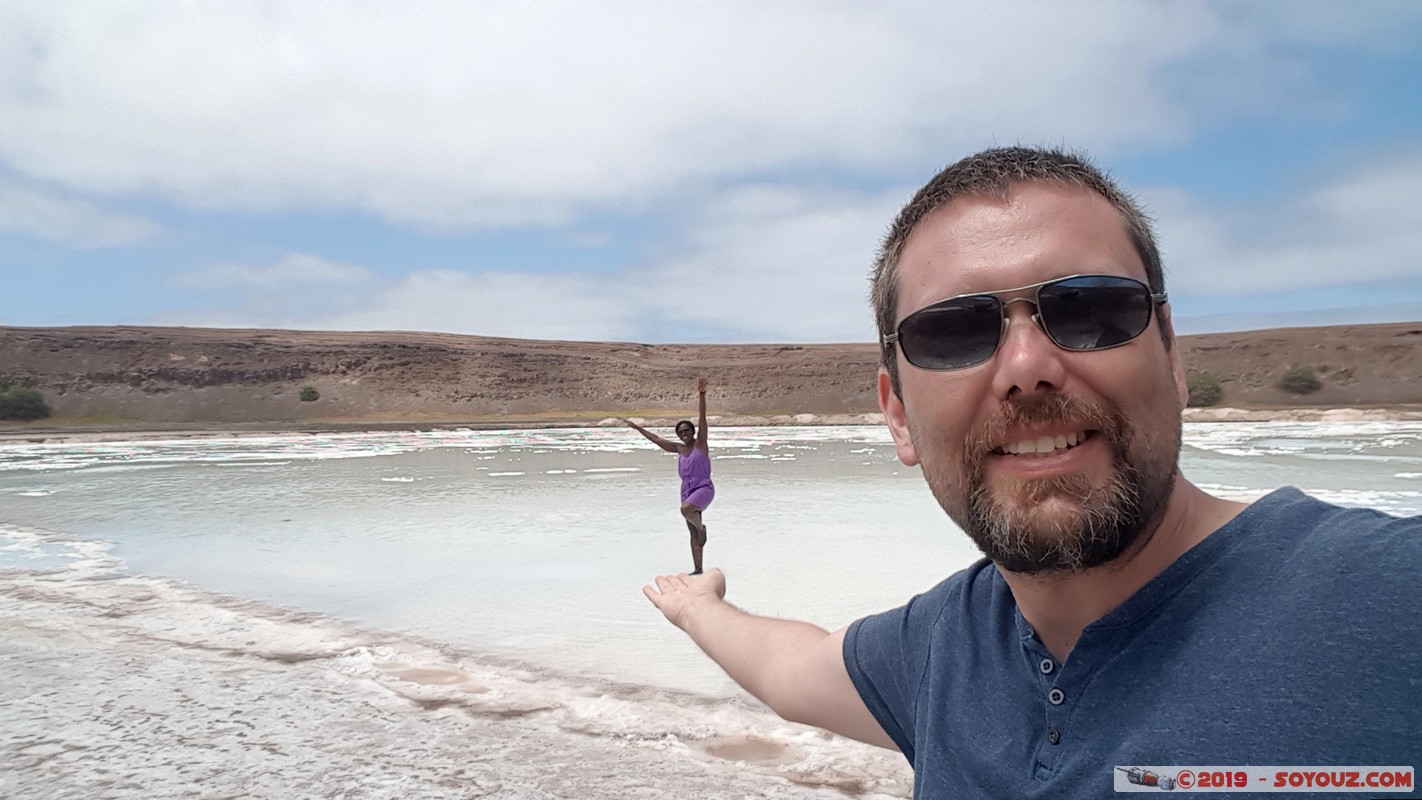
{"points": [[766, 263], [782, 263], [293, 269], [1357, 228], [775, 264], [516, 305], [451, 114], [522, 306], [70, 221]]}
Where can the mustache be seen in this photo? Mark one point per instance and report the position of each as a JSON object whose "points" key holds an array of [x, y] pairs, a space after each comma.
{"points": [[1042, 409]]}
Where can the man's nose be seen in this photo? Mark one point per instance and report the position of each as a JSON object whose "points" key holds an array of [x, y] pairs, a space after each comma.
{"points": [[1027, 360]]}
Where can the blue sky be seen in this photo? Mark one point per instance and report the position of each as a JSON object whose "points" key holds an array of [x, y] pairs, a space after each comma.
{"points": [[657, 172]]}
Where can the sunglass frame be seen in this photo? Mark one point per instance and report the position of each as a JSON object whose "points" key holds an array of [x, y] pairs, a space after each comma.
{"points": [[1155, 298]]}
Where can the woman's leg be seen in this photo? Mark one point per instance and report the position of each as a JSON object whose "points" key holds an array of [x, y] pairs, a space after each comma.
{"points": [[698, 534]]}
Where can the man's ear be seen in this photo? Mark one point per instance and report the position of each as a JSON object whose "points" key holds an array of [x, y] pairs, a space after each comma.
{"points": [[896, 417], [1177, 364]]}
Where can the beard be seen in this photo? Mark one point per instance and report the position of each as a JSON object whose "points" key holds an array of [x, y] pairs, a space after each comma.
{"points": [[1062, 524]]}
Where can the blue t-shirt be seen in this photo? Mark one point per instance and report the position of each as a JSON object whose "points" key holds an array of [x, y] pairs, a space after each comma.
{"points": [[1291, 636]]}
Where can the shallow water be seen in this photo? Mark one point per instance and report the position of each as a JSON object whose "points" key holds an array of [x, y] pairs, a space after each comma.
{"points": [[459, 614]]}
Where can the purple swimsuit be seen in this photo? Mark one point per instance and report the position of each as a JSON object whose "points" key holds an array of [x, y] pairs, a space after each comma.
{"points": [[695, 472]]}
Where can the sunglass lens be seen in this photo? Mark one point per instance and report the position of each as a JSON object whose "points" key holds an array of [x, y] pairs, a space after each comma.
{"points": [[953, 334], [1094, 311]]}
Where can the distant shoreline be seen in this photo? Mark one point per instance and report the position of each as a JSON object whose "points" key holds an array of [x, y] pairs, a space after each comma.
{"points": [[33, 433], [185, 379]]}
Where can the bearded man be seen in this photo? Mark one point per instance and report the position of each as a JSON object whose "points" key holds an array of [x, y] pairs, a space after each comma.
{"points": [[1121, 616]]}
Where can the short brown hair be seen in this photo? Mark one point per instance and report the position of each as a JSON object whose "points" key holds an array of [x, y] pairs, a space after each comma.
{"points": [[993, 173]]}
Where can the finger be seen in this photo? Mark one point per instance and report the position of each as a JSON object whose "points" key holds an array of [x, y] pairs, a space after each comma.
{"points": [[666, 583], [653, 595]]}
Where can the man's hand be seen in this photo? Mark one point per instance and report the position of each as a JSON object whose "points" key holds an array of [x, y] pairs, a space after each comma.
{"points": [[676, 595], [794, 667], [701, 385]]}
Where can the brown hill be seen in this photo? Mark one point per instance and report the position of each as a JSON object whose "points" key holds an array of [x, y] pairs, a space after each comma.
{"points": [[188, 377]]}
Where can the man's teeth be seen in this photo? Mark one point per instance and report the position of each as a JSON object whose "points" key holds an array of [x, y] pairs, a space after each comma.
{"points": [[1043, 444]]}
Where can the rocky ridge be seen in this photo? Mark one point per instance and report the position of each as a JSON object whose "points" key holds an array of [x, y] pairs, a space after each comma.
{"points": [[135, 377]]}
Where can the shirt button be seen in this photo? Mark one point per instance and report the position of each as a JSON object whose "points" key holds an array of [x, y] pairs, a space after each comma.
{"points": [[1056, 697], [1046, 666], [1054, 736]]}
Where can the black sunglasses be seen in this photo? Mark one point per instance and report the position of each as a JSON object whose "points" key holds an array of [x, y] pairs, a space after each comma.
{"points": [[1078, 312]]}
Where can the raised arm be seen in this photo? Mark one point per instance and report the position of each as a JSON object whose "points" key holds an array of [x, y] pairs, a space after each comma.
{"points": [[652, 437], [794, 667], [701, 415]]}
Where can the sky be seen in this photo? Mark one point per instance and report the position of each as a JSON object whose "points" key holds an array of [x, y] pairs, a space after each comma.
{"points": [[664, 172]]}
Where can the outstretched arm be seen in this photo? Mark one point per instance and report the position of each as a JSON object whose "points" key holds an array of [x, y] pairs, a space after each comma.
{"points": [[652, 437], [794, 667], [701, 419]]}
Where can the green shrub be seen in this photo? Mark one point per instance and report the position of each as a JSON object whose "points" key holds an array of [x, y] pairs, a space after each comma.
{"points": [[22, 403], [309, 394], [1300, 379], [1206, 389]]}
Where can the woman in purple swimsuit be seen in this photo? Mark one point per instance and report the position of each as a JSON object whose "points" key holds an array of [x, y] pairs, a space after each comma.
{"points": [[693, 463]]}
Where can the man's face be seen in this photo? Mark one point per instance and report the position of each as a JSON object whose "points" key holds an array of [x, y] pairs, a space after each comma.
{"points": [[1050, 460]]}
